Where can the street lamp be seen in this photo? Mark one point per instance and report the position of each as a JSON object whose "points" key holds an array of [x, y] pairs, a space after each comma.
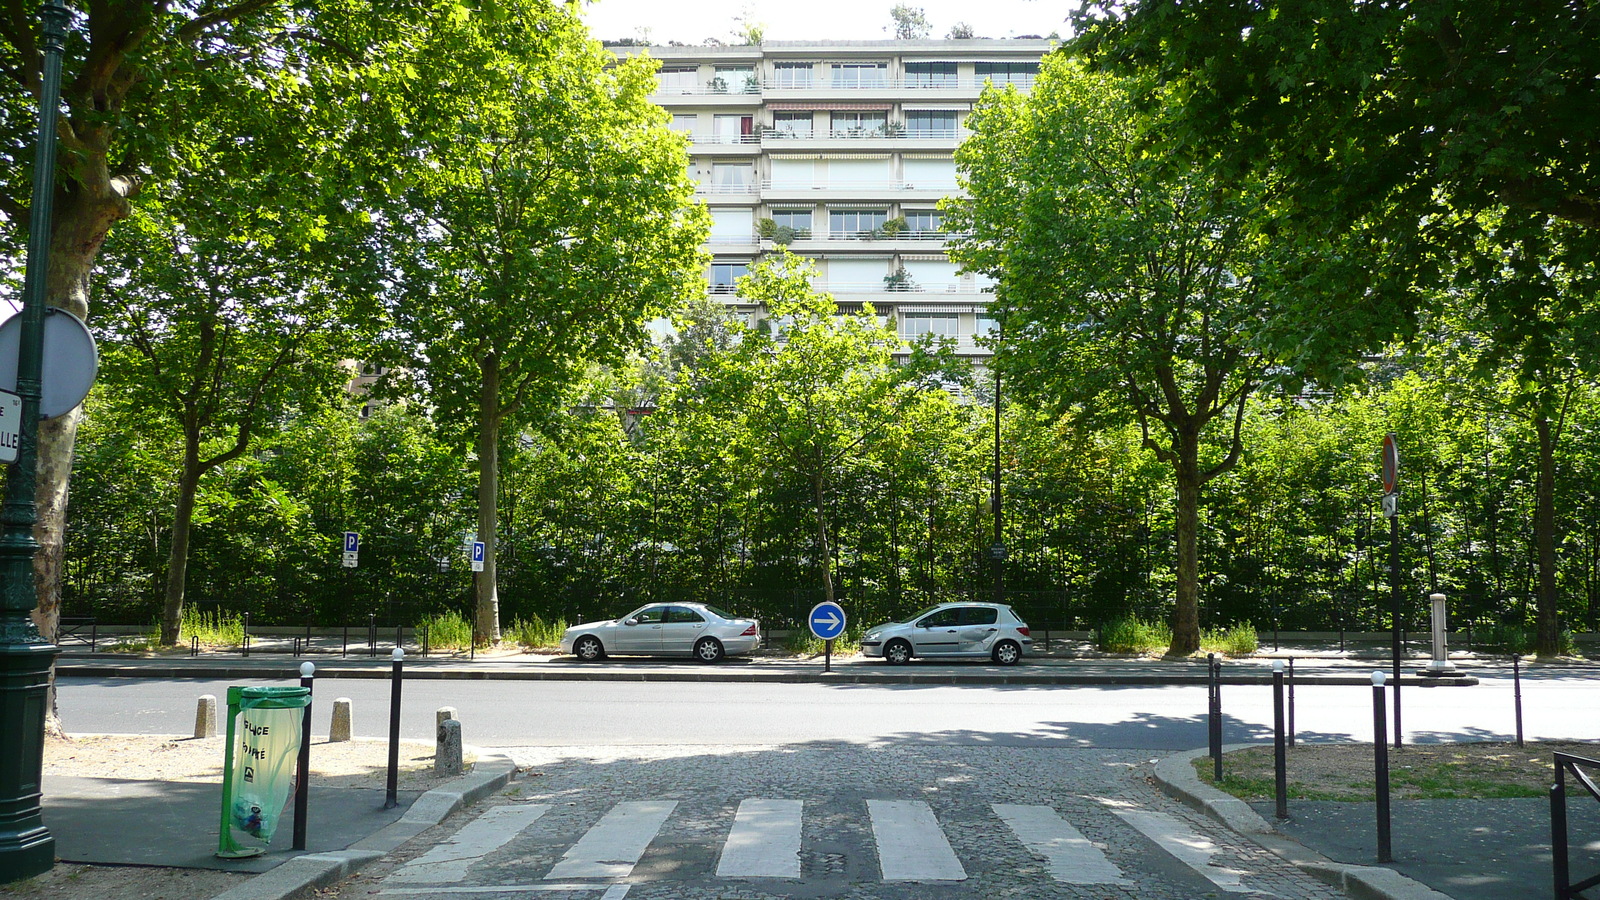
{"points": [[26, 847]]}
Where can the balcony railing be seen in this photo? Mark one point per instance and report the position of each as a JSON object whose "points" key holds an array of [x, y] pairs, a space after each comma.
{"points": [[716, 138], [914, 83], [879, 235], [889, 132], [852, 185], [902, 287]]}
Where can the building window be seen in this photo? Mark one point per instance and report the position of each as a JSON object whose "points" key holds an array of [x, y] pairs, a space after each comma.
{"points": [[844, 224], [859, 124], [860, 75], [684, 124], [1020, 73], [919, 325], [735, 80], [678, 81], [930, 74], [723, 276], [930, 123], [924, 223], [791, 124], [792, 75], [732, 178], [797, 220], [988, 326]]}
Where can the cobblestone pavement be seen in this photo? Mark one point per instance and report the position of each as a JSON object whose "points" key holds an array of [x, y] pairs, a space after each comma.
{"points": [[690, 797]]}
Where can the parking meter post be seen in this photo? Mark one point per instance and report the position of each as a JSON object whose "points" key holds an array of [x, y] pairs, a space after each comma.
{"points": [[1280, 754], [391, 788], [1380, 765], [302, 782], [1516, 692]]}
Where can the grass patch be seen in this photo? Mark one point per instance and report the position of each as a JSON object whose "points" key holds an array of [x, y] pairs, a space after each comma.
{"points": [[216, 629], [1240, 640], [537, 634], [1133, 635], [803, 642], [1468, 771], [447, 631]]}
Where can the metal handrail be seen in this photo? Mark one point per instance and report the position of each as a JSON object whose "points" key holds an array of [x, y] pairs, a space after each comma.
{"points": [[1566, 764], [767, 184]]}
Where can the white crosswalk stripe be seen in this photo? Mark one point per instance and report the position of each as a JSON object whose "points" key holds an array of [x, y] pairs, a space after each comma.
{"points": [[449, 861], [613, 846], [911, 846], [764, 842], [1070, 855], [1190, 848]]}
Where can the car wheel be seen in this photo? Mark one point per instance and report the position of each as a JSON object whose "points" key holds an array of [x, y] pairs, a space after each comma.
{"points": [[588, 648], [897, 653], [1007, 653], [708, 649]]}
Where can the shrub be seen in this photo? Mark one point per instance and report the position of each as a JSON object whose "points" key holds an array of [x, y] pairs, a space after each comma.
{"points": [[1239, 640], [537, 633], [447, 631], [1132, 635], [803, 642], [215, 629]]}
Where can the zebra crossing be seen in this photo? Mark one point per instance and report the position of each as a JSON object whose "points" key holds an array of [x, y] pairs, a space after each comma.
{"points": [[765, 840]]}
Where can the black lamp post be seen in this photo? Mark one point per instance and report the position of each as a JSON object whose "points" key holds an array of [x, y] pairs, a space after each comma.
{"points": [[26, 846]]}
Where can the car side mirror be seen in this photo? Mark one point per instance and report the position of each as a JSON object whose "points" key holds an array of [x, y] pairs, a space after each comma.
{"points": [[630, 621]]}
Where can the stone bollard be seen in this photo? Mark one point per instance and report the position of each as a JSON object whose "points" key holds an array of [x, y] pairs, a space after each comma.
{"points": [[444, 712], [205, 717], [447, 749], [339, 728]]}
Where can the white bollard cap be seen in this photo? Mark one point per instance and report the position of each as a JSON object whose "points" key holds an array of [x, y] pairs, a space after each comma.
{"points": [[1277, 667], [1378, 677], [398, 654], [306, 669]]}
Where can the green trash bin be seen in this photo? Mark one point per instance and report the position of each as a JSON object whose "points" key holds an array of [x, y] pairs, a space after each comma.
{"points": [[258, 765]]}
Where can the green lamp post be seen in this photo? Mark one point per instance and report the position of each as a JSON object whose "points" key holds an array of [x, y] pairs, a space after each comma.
{"points": [[26, 846]]}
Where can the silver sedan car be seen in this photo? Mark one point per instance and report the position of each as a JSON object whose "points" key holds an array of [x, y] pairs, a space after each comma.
{"points": [[952, 631], [665, 629]]}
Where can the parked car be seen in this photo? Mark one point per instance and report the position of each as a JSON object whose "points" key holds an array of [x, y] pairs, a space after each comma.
{"points": [[952, 631], [665, 629]]}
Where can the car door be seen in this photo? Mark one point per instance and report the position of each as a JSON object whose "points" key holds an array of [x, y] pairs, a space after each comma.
{"points": [[979, 625], [682, 628], [643, 635], [936, 634]]}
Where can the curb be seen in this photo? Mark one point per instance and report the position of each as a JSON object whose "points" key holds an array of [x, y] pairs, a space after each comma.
{"points": [[1176, 776], [303, 874]]}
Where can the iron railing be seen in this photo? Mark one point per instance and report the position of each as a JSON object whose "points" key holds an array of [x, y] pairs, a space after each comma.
{"points": [[1573, 766]]}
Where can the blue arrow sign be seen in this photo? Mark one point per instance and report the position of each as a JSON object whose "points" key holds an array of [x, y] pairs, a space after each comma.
{"points": [[827, 620], [352, 542]]}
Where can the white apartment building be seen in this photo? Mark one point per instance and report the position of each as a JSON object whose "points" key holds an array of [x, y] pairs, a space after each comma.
{"points": [[841, 150]]}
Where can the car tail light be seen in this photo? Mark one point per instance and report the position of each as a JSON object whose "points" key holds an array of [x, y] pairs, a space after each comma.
{"points": [[1023, 630], [749, 632]]}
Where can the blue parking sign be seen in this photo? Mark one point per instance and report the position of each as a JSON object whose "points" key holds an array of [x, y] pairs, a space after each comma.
{"points": [[352, 542]]}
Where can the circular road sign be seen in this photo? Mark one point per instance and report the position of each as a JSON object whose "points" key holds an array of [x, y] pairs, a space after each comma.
{"points": [[826, 620], [1391, 463], [70, 361]]}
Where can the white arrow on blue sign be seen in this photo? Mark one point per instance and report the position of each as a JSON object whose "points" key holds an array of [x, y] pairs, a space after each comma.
{"points": [[827, 620], [352, 541]]}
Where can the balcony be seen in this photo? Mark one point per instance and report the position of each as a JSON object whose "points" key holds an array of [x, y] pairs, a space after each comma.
{"points": [[887, 190]]}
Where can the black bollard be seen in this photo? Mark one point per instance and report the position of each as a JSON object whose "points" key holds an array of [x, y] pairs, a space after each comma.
{"points": [[1291, 701], [245, 642], [372, 634], [1214, 713], [391, 789], [1516, 692], [302, 782], [1280, 753], [1380, 766]]}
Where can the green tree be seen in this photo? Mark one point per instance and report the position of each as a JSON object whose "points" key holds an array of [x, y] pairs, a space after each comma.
{"points": [[910, 22], [542, 217], [1131, 290]]}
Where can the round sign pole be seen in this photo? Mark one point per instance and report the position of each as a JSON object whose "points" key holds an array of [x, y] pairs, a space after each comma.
{"points": [[827, 621], [1391, 490]]}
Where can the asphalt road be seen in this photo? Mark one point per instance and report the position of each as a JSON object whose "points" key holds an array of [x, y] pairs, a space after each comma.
{"points": [[576, 713]]}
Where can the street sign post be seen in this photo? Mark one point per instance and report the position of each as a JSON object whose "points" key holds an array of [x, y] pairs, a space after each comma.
{"points": [[477, 556], [352, 549], [827, 622], [1391, 508]]}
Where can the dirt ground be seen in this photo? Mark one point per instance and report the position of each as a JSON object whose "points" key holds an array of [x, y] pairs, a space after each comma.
{"points": [[359, 763]]}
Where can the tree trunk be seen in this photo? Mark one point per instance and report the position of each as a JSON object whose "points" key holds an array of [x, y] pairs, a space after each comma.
{"points": [[1186, 617], [1548, 641], [824, 552], [487, 595], [178, 554]]}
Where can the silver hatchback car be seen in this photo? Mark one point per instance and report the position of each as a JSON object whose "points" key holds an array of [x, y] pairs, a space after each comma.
{"points": [[954, 631]]}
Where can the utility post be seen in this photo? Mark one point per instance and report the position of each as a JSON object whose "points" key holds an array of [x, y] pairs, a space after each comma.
{"points": [[26, 847]]}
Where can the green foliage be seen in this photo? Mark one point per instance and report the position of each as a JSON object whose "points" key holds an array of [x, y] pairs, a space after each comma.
{"points": [[801, 641], [1132, 635], [214, 629], [536, 633], [1235, 640], [910, 22], [447, 630]]}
